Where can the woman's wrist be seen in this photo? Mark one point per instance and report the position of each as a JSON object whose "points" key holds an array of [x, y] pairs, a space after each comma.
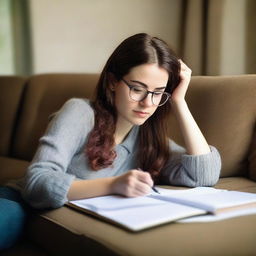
{"points": [[178, 103], [91, 188], [194, 140], [111, 185]]}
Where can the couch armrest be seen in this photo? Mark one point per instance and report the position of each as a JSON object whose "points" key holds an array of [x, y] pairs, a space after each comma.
{"points": [[11, 168], [12, 88]]}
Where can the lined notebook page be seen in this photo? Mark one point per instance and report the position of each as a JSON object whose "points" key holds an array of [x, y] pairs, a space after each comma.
{"points": [[210, 199], [137, 213]]}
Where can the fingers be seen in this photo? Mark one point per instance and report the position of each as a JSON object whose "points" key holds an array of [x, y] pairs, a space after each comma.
{"points": [[134, 183], [143, 183], [184, 67], [178, 95], [144, 177], [139, 183]]}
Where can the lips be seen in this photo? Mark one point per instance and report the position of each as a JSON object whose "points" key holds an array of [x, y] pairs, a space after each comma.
{"points": [[141, 113]]}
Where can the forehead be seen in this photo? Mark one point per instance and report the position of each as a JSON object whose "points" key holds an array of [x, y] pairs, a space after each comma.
{"points": [[149, 74]]}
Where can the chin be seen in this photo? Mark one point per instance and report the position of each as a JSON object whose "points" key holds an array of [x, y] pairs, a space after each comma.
{"points": [[138, 122]]}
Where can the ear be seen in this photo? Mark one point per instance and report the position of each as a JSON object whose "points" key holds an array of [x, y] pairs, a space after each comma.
{"points": [[112, 81]]}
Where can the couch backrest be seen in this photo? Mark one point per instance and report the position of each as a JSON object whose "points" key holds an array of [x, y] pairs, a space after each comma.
{"points": [[224, 108], [45, 94], [11, 90]]}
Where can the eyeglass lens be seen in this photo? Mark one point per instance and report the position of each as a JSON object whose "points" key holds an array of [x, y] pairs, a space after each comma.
{"points": [[139, 94]]}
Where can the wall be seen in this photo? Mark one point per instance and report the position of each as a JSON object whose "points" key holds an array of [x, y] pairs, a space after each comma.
{"points": [[79, 35]]}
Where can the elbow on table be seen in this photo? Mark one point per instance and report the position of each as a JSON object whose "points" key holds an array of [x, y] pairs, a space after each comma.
{"points": [[40, 199], [203, 170], [207, 182], [209, 171], [206, 178]]}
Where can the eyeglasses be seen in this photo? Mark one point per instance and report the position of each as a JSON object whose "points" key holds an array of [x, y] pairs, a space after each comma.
{"points": [[139, 93]]}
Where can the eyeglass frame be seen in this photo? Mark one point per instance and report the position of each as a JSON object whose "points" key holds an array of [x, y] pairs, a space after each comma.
{"points": [[146, 95]]}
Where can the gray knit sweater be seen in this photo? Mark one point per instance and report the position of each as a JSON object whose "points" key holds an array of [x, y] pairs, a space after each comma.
{"points": [[60, 159]]}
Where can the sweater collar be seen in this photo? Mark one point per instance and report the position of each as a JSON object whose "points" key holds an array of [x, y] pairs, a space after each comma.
{"points": [[131, 139]]}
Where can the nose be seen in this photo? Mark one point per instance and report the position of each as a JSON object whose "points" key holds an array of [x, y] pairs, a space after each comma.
{"points": [[147, 102]]}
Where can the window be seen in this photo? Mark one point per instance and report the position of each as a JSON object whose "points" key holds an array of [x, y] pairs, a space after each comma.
{"points": [[6, 39]]}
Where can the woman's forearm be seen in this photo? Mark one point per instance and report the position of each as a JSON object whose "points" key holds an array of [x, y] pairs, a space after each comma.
{"points": [[132, 183], [195, 142], [90, 188]]}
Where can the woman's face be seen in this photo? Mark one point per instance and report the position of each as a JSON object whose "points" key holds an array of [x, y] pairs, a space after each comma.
{"points": [[149, 76]]}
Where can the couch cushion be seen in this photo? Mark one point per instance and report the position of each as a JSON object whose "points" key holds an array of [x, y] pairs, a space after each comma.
{"points": [[10, 98], [237, 183], [45, 94], [11, 168], [225, 110], [65, 230]]}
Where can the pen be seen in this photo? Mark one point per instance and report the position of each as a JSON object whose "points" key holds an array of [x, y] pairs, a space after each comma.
{"points": [[153, 187]]}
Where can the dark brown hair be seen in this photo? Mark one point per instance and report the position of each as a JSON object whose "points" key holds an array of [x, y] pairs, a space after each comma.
{"points": [[153, 153]]}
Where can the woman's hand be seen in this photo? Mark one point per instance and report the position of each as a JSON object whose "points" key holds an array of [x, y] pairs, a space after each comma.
{"points": [[180, 91], [133, 183]]}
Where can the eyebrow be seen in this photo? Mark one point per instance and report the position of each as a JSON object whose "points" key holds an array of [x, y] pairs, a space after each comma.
{"points": [[158, 88]]}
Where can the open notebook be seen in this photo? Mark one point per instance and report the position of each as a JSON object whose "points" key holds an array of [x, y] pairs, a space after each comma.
{"points": [[170, 205]]}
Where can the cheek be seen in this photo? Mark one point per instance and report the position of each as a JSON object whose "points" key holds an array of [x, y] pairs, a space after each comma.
{"points": [[122, 99], [153, 110], [124, 106]]}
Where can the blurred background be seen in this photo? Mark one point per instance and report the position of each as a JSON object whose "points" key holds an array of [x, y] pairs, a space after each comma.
{"points": [[214, 37]]}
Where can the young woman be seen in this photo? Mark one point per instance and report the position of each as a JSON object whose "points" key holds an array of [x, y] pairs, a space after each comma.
{"points": [[118, 143]]}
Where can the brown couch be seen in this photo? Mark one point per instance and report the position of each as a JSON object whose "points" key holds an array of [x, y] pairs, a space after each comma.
{"points": [[225, 109]]}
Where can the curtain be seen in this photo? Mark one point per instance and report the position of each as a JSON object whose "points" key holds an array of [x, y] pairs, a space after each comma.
{"points": [[218, 36], [6, 53], [21, 37], [15, 47]]}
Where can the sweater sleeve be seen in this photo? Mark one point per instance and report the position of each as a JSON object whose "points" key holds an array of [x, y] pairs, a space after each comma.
{"points": [[191, 170], [47, 182]]}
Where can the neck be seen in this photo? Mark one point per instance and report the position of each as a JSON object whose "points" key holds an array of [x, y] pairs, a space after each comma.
{"points": [[121, 132]]}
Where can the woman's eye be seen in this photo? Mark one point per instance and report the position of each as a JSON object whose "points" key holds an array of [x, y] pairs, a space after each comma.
{"points": [[158, 93], [138, 90]]}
